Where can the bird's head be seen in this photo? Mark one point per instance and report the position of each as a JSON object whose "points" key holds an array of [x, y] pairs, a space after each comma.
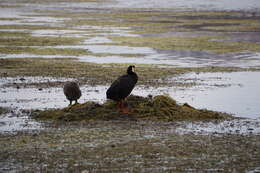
{"points": [[131, 69]]}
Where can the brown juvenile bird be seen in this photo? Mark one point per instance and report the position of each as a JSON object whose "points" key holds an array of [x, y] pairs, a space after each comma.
{"points": [[72, 91]]}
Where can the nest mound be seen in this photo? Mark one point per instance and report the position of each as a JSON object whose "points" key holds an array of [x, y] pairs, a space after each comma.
{"points": [[148, 108]]}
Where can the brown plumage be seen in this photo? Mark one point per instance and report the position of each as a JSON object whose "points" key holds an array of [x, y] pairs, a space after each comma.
{"points": [[72, 91]]}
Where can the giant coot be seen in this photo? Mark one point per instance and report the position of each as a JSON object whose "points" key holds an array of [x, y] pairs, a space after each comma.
{"points": [[122, 87], [72, 91]]}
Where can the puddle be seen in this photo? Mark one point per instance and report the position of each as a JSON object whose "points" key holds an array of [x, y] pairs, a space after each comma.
{"points": [[58, 33], [44, 98], [15, 30], [43, 20], [10, 13], [151, 56], [202, 59], [111, 49], [104, 31], [151, 59], [15, 121], [33, 98], [6, 22], [98, 40]]}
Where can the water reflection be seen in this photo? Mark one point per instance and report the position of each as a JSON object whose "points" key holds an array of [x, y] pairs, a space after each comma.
{"points": [[239, 94]]}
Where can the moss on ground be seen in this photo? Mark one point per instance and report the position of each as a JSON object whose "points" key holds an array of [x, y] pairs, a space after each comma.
{"points": [[3, 110], [126, 147], [144, 108], [13, 34], [44, 51], [10, 6], [160, 24], [31, 27], [167, 22], [39, 41]]}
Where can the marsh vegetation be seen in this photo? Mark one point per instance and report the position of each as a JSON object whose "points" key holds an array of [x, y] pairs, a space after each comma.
{"points": [[57, 39]]}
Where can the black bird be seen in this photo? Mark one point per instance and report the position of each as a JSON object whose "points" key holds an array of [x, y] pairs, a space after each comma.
{"points": [[72, 91], [122, 87]]}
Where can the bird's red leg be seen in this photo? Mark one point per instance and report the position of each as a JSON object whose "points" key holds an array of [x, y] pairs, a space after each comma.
{"points": [[125, 109], [119, 105]]}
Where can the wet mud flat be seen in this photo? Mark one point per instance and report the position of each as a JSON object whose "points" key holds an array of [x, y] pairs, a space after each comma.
{"points": [[114, 32], [127, 146], [129, 143], [46, 43]]}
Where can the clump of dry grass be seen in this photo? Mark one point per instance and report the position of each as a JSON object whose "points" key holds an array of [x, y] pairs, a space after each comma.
{"points": [[142, 108]]}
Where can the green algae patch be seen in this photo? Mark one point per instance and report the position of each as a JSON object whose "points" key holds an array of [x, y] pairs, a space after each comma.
{"points": [[141, 108], [39, 41], [3, 110], [31, 27], [13, 34], [44, 51]]}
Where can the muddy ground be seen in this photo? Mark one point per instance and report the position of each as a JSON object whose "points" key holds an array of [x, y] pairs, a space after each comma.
{"points": [[45, 43], [127, 146]]}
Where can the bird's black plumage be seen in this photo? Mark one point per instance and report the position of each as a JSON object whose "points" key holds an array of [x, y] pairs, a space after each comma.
{"points": [[123, 86], [72, 91]]}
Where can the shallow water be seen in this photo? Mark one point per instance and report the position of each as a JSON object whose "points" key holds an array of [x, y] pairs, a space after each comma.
{"points": [[42, 98], [111, 49], [150, 57], [236, 93], [192, 4], [99, 34], [228, 5], [177, 59], [58, 33], [11, 122], [226, 92]]}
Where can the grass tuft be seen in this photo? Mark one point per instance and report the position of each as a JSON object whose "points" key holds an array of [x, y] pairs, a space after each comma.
{"points": [[142, 108]]}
